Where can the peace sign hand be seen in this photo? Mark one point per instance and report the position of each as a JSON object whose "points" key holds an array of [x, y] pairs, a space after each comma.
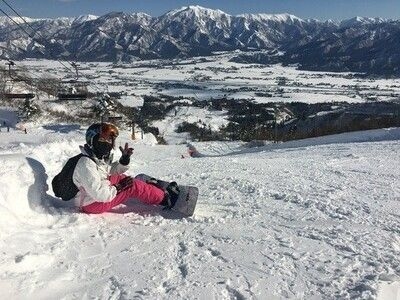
{"points": [[126, 154]]}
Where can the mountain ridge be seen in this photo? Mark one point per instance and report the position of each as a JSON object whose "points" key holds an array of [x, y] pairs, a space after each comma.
{"points": [[196, 31]]}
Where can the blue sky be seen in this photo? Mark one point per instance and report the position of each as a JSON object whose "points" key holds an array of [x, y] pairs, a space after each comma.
{"points": [[318, 9]]}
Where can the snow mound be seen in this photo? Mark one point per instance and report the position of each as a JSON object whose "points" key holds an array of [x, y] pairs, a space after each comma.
{"points": [[23, 193], [389, 289], [375, 135]]}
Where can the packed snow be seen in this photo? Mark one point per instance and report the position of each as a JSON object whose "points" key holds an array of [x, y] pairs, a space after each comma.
{"points": [[309, 219]]}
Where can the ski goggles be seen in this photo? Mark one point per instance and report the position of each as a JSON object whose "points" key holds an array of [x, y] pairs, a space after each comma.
{"points": [[108, 133]]}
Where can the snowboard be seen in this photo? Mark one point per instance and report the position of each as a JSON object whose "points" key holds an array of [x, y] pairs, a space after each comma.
{"points": [[187, 198]]}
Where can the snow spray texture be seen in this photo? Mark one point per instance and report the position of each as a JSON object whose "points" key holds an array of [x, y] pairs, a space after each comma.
{"points": [[63, 184]]}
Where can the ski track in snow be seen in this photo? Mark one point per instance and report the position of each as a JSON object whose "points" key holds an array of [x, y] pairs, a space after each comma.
{"points": [[306, 222]]}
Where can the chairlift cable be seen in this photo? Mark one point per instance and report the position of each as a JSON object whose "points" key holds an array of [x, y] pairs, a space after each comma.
{"points": [[15, 22], [22, 68], [22, 18], [34, 39], [30, 26], [33, 76]]}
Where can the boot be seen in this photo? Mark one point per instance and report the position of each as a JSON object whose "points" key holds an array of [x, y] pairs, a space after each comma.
{"points": [[171, 195]]}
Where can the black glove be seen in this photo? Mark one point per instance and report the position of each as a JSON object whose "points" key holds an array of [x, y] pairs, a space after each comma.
{"points": [[126, 155], [123, 184]]}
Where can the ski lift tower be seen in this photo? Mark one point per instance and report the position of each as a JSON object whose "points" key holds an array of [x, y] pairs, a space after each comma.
{"points": [[10, 63]]}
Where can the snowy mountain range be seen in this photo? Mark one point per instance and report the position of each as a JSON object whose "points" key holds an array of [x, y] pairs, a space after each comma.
{"points": [[359, 44]]}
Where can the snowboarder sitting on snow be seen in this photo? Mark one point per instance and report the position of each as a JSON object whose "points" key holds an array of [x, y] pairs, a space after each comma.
{"points": [[101, 182]]}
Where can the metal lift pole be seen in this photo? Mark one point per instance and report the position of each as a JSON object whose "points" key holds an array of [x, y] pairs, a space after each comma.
{"points": [[76, 69], [10, 63]]}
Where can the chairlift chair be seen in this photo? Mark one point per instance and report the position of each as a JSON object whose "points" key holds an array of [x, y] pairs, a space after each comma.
{"points": [[11, 93], [114, 119], [73, 90]]}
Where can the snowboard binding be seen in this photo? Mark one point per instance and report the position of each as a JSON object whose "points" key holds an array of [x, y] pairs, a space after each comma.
{"points": [[179, 200], [171, 195], [171, 191]]}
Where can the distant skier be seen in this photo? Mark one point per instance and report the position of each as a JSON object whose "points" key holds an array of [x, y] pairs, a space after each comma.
{"points": [[101, 182]]}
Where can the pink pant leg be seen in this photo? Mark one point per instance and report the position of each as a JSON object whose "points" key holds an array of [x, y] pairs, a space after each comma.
{"points": [[139, 190]]}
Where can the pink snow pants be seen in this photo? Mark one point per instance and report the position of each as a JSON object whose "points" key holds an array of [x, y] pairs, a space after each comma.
{"points": [[140, 190]]}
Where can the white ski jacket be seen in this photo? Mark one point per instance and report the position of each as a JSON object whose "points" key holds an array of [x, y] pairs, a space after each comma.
{"points": [[91, 178]]}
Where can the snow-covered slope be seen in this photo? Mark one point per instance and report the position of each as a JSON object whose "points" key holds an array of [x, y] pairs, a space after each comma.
{"points": [[314, 220]]}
